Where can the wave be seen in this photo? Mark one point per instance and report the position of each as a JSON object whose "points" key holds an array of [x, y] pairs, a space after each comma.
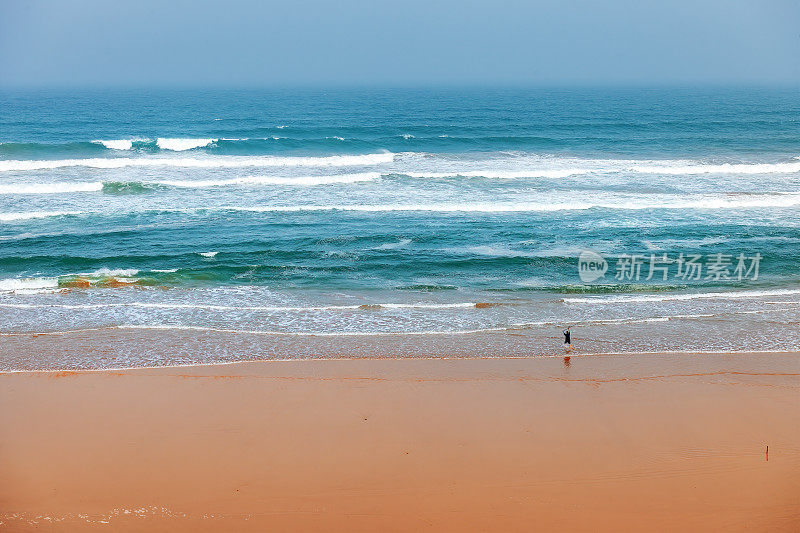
{"points": [[129, 187], [180, 145], [754, 201], [610, 321], [497, 174], [394, 245], [307, 333], [209, 162], [123, 187], [178, 327], [28, 285], [635, 298], [164, 143], [750, 201], [119, 144], [51, 188], [502, 166], [512, 165], [103, 277], [519, 207], [10, 217], [726, 168], [275, 180], [53, 282], [495, 329], [114, 272]]}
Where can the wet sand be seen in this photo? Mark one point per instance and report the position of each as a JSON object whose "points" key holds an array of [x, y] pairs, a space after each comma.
{"points": [[595, 443]]}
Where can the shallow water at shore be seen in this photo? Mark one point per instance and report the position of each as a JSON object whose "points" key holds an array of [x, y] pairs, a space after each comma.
{"points": [[401, 223]]}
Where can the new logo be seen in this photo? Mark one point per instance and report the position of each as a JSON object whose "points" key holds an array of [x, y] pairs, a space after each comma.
{"points": [[591, 266]]}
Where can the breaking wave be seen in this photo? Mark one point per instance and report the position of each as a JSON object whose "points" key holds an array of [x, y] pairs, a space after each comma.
{"points": [[526, 165], [622, 203], [119, 144], [132, 187], [275, 180], [179, 145], [208, 162], [635, 298], [10, 217], [53, 282], [51, 188]]}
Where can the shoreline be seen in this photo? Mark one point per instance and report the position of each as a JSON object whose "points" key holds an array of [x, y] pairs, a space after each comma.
{"points": [[591, 443], [121, 349], [409, 358]]}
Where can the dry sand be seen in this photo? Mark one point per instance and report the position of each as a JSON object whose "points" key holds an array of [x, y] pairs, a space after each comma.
{"points": [[670, 442]]}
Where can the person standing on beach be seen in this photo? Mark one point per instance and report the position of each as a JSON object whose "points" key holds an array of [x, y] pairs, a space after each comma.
{"points": [[567, 339]]}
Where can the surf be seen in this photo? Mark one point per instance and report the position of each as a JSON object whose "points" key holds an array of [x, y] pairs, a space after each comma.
{"points": [[210, 162]]}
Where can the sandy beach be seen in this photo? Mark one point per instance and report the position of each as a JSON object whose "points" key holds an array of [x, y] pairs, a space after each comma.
{"points": [[594, 443]]}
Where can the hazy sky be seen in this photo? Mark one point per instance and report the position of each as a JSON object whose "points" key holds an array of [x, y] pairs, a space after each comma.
{"points": [[398, 42]]}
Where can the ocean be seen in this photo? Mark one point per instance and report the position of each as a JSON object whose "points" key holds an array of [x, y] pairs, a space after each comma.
{"points": [[143, 228]]}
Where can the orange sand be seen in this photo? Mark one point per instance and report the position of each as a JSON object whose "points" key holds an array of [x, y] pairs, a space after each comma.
{"points": [[603, 443]]}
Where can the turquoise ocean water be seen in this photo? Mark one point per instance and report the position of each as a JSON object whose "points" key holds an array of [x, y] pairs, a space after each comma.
{"points": [[161, 227]]}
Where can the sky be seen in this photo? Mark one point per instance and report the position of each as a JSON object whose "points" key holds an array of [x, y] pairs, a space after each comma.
{"points": [[244, 43]]}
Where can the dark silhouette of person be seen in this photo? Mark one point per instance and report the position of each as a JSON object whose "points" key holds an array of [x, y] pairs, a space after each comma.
{"points": [[567, 339]]}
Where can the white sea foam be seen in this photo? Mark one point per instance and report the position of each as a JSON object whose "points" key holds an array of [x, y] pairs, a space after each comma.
{"points": [[460, 305], [47, 284], [306, 333], [623, 202], [118, 144], [276, 180], [208, 254], [628, 202], [214, 307], [205, 162], [630, 298], [178, 327], [28, 285], [376, 306], [491, 251], [10, 217], [726, 168], [114, 272], [95, 186], [51, 188], [499, 174], [179, 145], [394, 245], [524, 165]]}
